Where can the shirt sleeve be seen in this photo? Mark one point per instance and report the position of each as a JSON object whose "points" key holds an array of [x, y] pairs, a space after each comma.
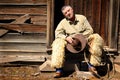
{"points": [[88, 29], [60, 32]]}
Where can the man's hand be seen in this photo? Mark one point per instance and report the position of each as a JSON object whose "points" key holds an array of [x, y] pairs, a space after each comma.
{"points": [[69, 39]]}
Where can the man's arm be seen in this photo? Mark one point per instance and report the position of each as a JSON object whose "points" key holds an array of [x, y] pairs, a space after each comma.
{"points": [[60, 32], [88, 29]]}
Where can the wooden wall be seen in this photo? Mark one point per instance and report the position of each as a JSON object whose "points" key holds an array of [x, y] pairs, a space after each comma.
{"points": [[37, 9], [119, 31], [102, 15], [25, 28]]}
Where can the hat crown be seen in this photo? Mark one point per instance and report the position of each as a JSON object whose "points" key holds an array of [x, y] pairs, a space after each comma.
{"points": [[78, 44]]}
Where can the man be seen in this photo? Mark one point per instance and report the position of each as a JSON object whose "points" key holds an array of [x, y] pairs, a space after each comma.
{"points": [[69, 26]]}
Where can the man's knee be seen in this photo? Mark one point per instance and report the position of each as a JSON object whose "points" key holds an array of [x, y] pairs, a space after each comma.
{"points": [[95, 43], [95, 38], [58, 42]]}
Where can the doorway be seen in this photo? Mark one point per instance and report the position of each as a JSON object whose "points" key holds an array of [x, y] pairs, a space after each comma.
{"points": [[58, 16]]}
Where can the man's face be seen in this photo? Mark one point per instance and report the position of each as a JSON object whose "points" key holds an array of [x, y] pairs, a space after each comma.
{"points": [[68, 12]]}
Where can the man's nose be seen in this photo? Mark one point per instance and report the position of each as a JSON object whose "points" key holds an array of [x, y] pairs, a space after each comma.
{"points": [[68, 13]]}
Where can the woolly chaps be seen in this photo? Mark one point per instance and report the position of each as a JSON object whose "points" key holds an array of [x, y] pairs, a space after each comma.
{"points": [[58, 53], [95, 43]]}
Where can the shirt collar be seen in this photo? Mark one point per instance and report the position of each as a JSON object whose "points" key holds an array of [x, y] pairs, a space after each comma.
{"points": [[75, 22]]}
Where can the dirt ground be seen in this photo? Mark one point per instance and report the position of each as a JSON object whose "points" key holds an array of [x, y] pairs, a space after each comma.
{"points": [[26, 72]]}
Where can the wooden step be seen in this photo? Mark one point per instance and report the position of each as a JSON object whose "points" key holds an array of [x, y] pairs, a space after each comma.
{"points": [[6, 57], [24, 38], [27, 42], [22, 47], [6, 53], [117, 59], [118, 52], [13, 58]]}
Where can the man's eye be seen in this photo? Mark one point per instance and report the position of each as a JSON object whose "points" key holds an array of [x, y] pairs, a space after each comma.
{"points": [[65, 12]]}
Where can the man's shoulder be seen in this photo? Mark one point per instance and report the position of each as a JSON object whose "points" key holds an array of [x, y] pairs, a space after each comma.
{"points": [[63, 20], [80, 16]]}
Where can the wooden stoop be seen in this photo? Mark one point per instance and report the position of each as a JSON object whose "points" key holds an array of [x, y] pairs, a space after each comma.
{"points": [[22, 47], [71, 66], [117, 63], [18, 46]]}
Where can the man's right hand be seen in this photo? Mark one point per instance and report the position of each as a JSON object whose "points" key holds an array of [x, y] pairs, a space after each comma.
{"points": [[69, 39]]}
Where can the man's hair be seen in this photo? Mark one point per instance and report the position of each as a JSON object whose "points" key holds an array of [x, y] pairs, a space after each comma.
{"points": [[65, 7]]}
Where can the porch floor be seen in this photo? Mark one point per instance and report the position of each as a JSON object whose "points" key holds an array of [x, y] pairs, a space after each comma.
{"points": [[26, 71]]}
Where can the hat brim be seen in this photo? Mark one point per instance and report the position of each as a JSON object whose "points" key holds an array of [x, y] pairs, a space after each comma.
{"points": [[81, 39]]}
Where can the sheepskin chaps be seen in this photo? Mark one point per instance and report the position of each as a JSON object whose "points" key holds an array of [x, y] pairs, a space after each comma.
{"points": [[58, 53], [95, 43]]}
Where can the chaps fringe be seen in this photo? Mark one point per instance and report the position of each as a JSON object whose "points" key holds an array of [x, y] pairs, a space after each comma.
{"points": [[58, 53], [95, 42]]}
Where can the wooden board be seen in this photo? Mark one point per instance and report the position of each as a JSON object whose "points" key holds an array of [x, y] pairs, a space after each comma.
{"points": [[3, 2], [23, 9], [23, 47], [3, 31], [19, 20], [40, 20], [25, 27], [27, 42], [24, 38], [7, 59]]}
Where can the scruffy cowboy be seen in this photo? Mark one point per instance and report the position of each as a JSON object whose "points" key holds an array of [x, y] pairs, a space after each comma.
{"points": [[69, 26]]}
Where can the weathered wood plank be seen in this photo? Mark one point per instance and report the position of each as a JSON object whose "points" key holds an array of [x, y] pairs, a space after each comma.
{"points": [[19, 20], [22, 47], [104, 20], [24, 38], [119, 33], [34, 19], [9, 16], [23, 2], [39, 20], [114, 28], [15, 16], [25, 27], [13, 58], [46, 66], [3, 31], [117, 59], [96, 8], [117, 67], [110, 50], [10, 53], [89, 11], [11, 9], [50, 20]]}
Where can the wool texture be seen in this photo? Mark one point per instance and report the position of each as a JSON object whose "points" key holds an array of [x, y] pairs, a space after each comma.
{"points": [[58, 53], [95, 43]]}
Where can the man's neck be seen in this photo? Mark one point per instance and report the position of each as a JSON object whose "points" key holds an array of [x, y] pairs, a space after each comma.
{"points": [[72, 19]]}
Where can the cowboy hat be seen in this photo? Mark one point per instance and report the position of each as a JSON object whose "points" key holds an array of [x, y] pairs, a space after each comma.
{"points": [[78, 44]]}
